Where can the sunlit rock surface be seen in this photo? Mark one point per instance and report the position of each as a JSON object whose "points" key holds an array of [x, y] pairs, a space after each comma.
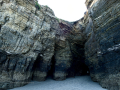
{"points": [[26, 34]]}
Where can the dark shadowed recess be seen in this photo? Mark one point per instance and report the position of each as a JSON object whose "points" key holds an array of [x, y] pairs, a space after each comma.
{"points": [[36, 66], [78, 67], [0, 27], [52, 68]]}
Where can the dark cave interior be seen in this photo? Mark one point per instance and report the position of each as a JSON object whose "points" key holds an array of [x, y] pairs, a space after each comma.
{"points": [[78, 66], [0, 27]]}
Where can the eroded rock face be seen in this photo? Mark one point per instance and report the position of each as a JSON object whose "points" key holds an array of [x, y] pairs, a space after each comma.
{"points": [[33, 43], [102, 46], [26, 34], [69, 50]]}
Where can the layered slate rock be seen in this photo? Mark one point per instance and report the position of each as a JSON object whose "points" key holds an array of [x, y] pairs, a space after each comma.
{"points": [[69, 50], [34, 43], [26, 35], [63, 56], [102, 49]]}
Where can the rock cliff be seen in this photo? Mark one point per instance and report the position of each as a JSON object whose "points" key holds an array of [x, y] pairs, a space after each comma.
{"points": [[102, 49], [27, 33], [35, 44]]}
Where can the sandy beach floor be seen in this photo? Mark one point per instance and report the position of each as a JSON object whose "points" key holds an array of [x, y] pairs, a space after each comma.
{"points": [[77, 83]]}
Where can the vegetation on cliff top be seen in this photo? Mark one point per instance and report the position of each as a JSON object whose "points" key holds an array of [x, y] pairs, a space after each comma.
{"points": [[37, 6]]}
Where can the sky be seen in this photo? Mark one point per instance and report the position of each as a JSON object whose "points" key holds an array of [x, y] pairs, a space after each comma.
{"points": [[70, 10]]}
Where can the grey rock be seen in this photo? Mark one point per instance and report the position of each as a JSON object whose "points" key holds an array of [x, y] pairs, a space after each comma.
{"points": [[35, 44], [102, 46], [23, 31]]}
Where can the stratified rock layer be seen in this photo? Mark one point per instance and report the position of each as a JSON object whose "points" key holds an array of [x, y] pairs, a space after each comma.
{"points": [[26, 34], [35, 44], [102, 49], [69, 50]]}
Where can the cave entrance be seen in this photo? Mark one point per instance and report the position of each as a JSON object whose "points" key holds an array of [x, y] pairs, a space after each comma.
{"points": [[0, 27], [78, 67], [42, 67], [37, 69], [51, 68]]}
